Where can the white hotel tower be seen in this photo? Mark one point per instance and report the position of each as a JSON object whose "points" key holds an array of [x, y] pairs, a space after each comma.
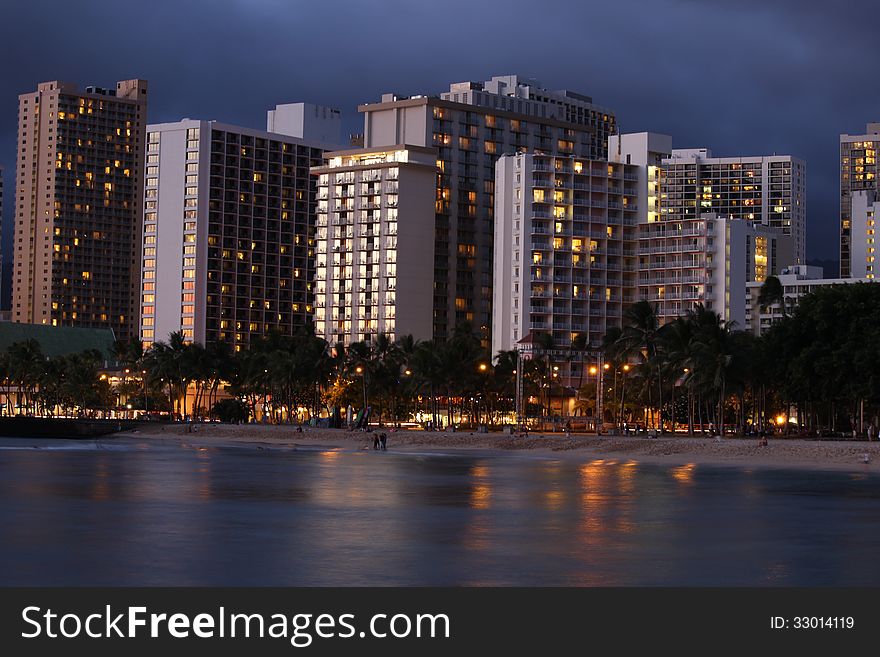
{"points": [[375, 244]]}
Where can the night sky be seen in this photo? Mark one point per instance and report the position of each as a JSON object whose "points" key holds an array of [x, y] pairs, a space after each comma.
{"points": [[744, 78]]}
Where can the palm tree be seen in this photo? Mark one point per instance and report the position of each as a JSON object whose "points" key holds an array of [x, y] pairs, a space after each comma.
{"points": [[545, 343], [712, 356], [772, 292], [26, 364], [427, 367], [640, 335]]}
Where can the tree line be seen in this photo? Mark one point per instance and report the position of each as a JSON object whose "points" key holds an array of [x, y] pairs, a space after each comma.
{"points": [[815, 369]]}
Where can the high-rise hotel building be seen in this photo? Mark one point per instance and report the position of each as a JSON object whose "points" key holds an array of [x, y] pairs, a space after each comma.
{"points": [[471, 126], [228, 233], [768, 190], [565, 248], [375, 244], [858, 172], [79, 185]]}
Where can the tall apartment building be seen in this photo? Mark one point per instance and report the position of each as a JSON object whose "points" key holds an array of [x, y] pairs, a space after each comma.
{"points": [[228, 231], [375, 244], [471, 126], [858, 172], [797, 281], [565, 249], [79, 185], [864, 214], [707, 260], [768, 190]]}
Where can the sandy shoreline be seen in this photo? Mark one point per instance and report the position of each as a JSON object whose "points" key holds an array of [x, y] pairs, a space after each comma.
{"points": [[740, 452]]}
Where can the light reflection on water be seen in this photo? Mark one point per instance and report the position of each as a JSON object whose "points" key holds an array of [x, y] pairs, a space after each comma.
{"points": [[153, 515]]}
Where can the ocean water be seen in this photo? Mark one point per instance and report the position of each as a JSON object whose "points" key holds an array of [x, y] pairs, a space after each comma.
{"points": [[132, 513]]}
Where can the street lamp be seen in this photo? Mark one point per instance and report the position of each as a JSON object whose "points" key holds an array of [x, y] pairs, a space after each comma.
{"points": [[555, 376], [360, 370], [598, 370], [124, 386], [146, 403]]}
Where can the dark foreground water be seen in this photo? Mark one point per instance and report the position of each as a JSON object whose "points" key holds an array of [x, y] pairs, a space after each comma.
{"points": [[132, 514]]}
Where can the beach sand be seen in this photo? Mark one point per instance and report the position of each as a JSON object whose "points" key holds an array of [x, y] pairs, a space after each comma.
{"points": [[678, 450]]}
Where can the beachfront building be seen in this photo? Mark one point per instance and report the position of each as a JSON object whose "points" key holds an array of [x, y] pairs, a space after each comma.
{"points": [[706, 260], [858, 172], [796, 281], [228, 233], [79, 190], [374, 244], [565, 250], [767, 190], [471, 126]]}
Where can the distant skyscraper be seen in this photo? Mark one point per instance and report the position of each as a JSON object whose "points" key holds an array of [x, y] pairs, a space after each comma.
{"points": [[858, 171], [375, 244], [228, 247], [79, 186], [471, 126], [769, 190]]}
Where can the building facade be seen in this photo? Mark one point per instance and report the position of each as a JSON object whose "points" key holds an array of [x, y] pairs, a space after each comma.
{"points": [[471, 126], [228, 233], [374, 244], [858, 172], [797, 281], [768, 190], [706, 260], [79, 185], [565, 247], [864, 213]]}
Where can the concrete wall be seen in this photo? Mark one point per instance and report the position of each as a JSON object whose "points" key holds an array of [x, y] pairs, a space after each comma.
{"points": [[414, 300], [398, 125], [314, 123]]}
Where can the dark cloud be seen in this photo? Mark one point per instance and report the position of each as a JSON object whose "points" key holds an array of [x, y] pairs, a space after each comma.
{"points": [[741, 78]]}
